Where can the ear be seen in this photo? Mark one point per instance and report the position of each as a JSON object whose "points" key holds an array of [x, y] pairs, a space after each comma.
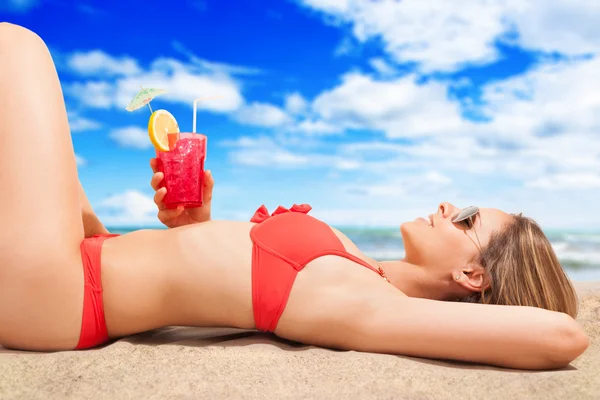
{"points": [[472, 277]]}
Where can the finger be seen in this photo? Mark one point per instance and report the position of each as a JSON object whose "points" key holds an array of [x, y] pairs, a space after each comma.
{"points": [[208, 179], [159, 197], [154, 165], [209, 184], [156, 179], [165, 216]]}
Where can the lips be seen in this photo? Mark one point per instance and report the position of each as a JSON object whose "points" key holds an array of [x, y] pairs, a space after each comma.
{"points": [[427, 221]]}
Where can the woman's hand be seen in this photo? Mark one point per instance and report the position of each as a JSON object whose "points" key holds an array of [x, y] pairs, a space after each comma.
{"points": [[181, 216]]}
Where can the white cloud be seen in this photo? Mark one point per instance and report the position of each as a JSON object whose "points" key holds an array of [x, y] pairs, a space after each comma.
{"points": [[400, 107], [183, 82], [132, 137], [128, 208], [262, 114], [263, 151], [345, 47], [399, 187], [18, 6], [212, 66], [543, 122], [80, 160], [567, 181], [95, 94], [437, 34], [78, 123], [437, 178], [295, 103], [541, 134], [440, 36], [212, 82], [316, 128], [331, 6], [342, 163], [564, 26], [549, 100], [381, 66], [552, 112], [97, 62], [374, 145], [297, 106]]}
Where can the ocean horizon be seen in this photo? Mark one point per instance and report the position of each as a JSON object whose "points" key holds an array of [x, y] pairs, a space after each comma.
{"points": [[577, 250]]}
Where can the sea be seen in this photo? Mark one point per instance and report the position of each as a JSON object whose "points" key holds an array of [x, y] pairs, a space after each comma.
{"points": [[578, 252]]}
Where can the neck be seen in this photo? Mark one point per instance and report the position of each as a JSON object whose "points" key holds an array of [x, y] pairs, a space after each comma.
{"points": [[414, 281]]}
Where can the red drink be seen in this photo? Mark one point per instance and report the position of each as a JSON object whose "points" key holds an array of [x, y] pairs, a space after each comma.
{"points": [[183, 167]]}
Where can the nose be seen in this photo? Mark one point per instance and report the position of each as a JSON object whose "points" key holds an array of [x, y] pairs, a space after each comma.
{"points": [[447, 209]]}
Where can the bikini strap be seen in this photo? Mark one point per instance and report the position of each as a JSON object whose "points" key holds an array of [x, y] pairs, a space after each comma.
{"points": [[362, 262]]}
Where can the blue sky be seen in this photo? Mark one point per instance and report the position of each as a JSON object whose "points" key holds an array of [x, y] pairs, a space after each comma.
{"points": [[371, 111]]}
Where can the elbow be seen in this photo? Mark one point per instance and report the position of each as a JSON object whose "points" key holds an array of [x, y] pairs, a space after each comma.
{"points": [[569, 342]]}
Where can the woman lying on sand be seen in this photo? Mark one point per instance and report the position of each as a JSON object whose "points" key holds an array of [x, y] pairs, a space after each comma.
{"points": [[287, 273]]}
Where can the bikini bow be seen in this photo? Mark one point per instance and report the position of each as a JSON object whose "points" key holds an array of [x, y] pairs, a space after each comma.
{"points": [[262, 213]]}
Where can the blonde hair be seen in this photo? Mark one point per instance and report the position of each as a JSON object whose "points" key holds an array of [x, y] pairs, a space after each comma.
{"points": [[523, 270]]}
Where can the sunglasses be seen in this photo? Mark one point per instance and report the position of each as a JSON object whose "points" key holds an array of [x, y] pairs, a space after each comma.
{"points": [[466, 217]]}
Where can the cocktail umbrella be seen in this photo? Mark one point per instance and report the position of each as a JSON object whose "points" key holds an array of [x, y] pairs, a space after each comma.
{"points": [[143, 98]]}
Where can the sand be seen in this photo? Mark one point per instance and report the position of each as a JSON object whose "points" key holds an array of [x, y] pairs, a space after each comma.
{"points": [[187, 363]]}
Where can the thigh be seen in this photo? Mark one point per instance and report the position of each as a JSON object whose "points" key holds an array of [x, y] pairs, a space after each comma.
{"points": [[40, 268]]}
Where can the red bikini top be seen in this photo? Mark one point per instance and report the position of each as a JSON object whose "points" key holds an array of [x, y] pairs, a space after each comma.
{"points": [[298, 238]]}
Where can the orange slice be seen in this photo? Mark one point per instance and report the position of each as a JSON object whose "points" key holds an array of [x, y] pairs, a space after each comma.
{"points": [[160, 125]]}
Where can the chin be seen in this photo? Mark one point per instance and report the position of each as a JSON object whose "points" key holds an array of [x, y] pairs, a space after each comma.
{"points": [[411, 233], [407, 231], [410, 228], [404, 228]]}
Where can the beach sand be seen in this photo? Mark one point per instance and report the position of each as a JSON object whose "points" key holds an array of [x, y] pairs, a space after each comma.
{"points": [[199, 363]]}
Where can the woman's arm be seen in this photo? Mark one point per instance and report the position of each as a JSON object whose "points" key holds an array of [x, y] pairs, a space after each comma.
{"points": [[507, 336], [91, 224]]}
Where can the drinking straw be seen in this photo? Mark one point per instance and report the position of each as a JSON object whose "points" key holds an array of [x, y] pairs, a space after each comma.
{"points": [[194, 120], [195, 108]]}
